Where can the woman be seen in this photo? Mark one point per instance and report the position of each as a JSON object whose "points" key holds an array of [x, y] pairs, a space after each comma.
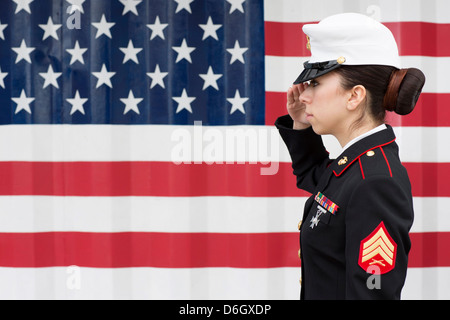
{"points": [[354, 237]]}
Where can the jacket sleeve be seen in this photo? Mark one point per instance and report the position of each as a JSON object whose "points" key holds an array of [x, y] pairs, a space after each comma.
{"points": [[378, 219], [308, 154]]}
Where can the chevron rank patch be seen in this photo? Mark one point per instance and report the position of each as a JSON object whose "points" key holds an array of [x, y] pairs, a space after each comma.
{"points": [[378, 249]]}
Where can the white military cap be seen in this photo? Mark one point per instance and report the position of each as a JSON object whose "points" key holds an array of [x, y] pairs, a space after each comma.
{"points": [[347, 39]]}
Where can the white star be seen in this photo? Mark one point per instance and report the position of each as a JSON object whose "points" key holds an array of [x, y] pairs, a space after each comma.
{"points": [[77, 53], [50, 29], [184, 102], [130, 52], [103, 27], [131, 103], [237, 53], [210, 79], [23, 5], [130, 5], [157, 77], [157, 29], [210, 29], [50, 77], [237, 103], [104, 77], [76, 5], [2, 27], [2, 78], [77, 103], [184, 52], [23, 103], [23, 52], [184, 4], [236, 5]]}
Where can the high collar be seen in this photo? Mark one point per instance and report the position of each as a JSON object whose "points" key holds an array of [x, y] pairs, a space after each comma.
{"points": [[356, 150], [362, 136]]}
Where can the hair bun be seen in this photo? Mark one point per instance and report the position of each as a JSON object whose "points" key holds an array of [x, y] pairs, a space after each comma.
{"points": [[403, 90]]}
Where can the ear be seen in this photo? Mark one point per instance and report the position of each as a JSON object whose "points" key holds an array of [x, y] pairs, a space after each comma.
{"points": [[358, 94]]}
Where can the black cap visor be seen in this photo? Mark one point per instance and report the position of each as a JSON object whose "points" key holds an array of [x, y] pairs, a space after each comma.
{"points": [[315, 70]]}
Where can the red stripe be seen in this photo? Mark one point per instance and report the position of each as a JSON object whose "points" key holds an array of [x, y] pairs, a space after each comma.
{"points": [[431, 110], [275, 106], [168, 179], [141, 249], [181, 250], [144, 179], [429, 179], [429, 249], [413, 39], [421, 38]]}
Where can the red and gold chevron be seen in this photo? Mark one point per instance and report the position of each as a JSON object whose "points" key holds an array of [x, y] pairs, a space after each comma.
{"points": [[378, 249]]}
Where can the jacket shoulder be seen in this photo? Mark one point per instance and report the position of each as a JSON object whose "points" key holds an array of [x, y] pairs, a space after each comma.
{"points": [[381, 161]]}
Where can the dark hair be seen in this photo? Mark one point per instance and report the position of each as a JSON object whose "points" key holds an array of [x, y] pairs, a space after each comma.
{"points": [[388, 88]]}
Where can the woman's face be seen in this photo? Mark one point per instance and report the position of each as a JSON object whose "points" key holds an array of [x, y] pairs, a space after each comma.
{"points": [[326, 104]]}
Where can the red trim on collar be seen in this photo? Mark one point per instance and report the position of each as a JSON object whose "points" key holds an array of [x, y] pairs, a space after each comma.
{"points": [[348, 165]]}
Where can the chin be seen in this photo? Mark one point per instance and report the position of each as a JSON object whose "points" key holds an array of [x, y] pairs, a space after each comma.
{"points": [[322, 131], [318, 129]]}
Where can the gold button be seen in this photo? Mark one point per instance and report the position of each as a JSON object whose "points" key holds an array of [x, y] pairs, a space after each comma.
{"points": [[341, 60], [300, 281], [299, 253], [299, 224], [370, 153]]}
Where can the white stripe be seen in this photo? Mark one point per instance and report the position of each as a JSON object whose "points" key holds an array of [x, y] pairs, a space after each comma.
{"points": [[149, 283], [190, 284], [188, 144], [427, 284], [85, 142], [384, 10], [423, 144], [134, 143], [282, 71], [180, 214], [150, 214], [431, 214]]}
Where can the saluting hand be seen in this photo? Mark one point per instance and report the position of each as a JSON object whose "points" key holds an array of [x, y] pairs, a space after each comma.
{"points": [[295, 107]]}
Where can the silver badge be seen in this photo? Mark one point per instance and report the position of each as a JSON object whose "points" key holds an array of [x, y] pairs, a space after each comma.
{"points": [[315, 220]]}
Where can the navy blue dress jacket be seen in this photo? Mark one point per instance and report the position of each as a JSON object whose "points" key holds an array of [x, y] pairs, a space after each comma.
{"points": [[354, 236]]}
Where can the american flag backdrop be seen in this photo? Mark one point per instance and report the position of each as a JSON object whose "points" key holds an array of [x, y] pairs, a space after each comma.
{"points": [[139, 158]]}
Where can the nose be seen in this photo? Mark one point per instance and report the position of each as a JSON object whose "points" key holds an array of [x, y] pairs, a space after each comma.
{"points": [[305, 96]]}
